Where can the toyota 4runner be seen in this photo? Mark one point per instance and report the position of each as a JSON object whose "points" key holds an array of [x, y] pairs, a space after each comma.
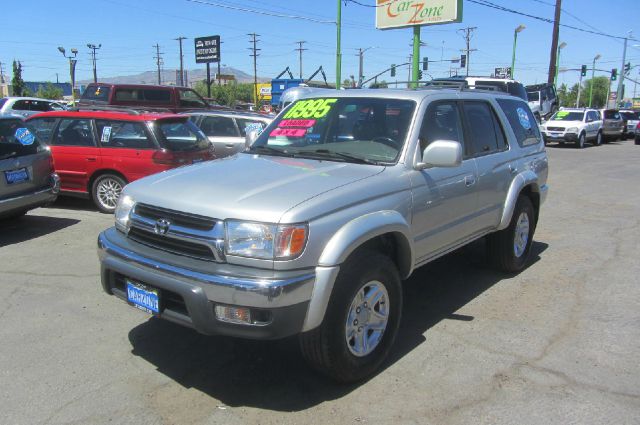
{"points": [[311, 230]]}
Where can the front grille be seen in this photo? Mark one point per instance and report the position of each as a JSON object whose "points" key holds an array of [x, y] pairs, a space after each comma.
{"points": [[176, 217], [175, 246], [555, 128]]}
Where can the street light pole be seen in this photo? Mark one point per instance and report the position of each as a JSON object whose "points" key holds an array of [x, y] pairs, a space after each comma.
{"points": [[72, 70], [555, 77], [620, 94], [515, 40], [338, 51], [593, 69]]}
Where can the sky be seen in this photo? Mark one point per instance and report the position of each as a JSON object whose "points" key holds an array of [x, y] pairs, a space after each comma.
{"points": [[128, 30]]}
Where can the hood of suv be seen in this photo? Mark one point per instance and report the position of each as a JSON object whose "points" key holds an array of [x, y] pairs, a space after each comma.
{"points": [[247, 187]]}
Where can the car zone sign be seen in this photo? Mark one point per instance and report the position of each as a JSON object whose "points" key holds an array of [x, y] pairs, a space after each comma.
{"points": [[410, 13]]}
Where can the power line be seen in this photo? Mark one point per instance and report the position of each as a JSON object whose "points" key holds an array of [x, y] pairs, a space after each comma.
{"points": [[260, 12], [468, 33], [179, 40], [93, 48], [300, 50], [158, 58]]}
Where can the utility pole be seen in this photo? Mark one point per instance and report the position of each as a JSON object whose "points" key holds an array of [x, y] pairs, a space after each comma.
{"points": [[467, 35], [554, 43], [620, 93], [338, 51], [254, 40], [300, 49], [2, 74], [93, 48], [158, 58], [179, 40], [361, 64], [409, 71]]}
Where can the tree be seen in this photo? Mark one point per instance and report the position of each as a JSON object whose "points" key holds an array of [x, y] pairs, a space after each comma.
{"points": [[49, 91], [600, 88], [380, 85], [228, 94], [17, 82]]}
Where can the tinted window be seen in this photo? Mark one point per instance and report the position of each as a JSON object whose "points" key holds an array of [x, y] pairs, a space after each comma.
{"points": [[191, 99], [625, 115], [21, 105], [74, 133], [122, 134], [219, 127], [593, 116], [56, 107], [611, 115], [40, 106], [157, 95], [97, 93], [441, 122], [485, 133], [17, 138], [533, 96], [43, 128], [521, 120], [181, 135], [127, 95], [244, 123]]}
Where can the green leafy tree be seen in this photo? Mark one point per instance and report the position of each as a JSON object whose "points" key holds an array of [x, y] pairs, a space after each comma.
{"points": [[49, 91], [17, 82], [600, 87], [379, 85], [228, 94]]}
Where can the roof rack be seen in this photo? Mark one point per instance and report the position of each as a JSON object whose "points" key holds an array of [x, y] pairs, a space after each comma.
{"points": [[460, 85], [110, 108]]}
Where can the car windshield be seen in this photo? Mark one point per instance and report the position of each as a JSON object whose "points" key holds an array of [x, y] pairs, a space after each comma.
{"points": [[181, 135], [362, 130], [567, 116], [17, 138], [191, 99], [533, 96]]}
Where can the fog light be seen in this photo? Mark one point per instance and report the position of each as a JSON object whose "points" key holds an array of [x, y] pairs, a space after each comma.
{"points": [[231, 314]]}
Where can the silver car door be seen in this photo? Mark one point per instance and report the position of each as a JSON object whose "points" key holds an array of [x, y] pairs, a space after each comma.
{"points": [[222, 132]]}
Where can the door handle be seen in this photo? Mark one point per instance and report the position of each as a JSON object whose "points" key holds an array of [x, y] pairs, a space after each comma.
{"points": [[91, 159], [469, 181]]}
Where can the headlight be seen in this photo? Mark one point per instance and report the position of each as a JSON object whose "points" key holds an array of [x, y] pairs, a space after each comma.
{"points": [[572, 130], [123, 210], [265, 241]]}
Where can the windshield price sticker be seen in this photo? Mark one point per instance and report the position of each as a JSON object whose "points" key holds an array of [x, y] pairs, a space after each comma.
{"points": [[288, 132], [311, 108], [561, 114], [297, 123], [24, 136]]}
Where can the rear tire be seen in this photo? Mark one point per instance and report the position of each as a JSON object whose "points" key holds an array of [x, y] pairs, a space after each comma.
{"points": [[352, 341], [509, 249], [106, 190], [598, 140]]}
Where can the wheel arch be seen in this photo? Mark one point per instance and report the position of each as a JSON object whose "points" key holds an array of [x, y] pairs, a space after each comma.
{"points": [[526, 184]]}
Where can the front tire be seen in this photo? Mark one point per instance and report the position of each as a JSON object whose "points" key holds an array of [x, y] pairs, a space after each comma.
{"points": [[361, 321], [106, 190], [581, 140], [509, 249]]}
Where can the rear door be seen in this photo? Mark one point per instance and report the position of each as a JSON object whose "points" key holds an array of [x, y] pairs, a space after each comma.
{"points": [[245, 124], [75, 153], [126, 147], [223, 133]]}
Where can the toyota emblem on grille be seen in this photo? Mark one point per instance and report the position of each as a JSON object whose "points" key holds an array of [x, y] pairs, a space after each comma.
{"points": [[162, 226]]}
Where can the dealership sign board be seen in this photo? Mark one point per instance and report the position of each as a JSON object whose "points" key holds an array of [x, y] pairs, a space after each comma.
{"points": [[409, 13], [207, 49]]}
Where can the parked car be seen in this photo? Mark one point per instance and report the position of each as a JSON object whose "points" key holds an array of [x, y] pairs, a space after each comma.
{"points": [[612, 125], [143, 96], [637, 134], [27, 106], [506, 85], [577, 126], [543, 99], [227, 130], [96, 153], [311, 231], [630, 122], [28, 180]]}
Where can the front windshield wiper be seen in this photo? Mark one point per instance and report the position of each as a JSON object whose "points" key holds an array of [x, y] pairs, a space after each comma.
{"points": [[346, 156], [8, 155], [269, 150]]}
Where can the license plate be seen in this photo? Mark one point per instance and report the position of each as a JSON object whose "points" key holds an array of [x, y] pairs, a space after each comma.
{"points": [[555, 134], [143, 297], [16, 176]]}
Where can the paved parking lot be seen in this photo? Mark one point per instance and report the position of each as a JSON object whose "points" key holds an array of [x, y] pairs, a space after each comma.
{"points": [[558, 343]]}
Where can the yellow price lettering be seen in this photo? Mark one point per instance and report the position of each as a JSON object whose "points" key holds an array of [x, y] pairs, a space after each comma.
{"points": [[311, 108]]}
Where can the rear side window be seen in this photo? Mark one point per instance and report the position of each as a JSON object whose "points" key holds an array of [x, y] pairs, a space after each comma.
{"points": [[612, 115], [521, 120], [219, 127], [251, 124], [72, 132], [97, 93], [122, 134], [127, 95], [485, 132], [43, 128], [40, 106], [17, 138], [21, 105], [180, 135], [157, 96]]}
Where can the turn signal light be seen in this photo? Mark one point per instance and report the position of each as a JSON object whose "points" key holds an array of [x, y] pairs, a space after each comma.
{"points": [[226, 313]]}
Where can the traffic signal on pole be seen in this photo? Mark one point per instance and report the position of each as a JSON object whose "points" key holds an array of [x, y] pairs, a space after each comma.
{"points": [[463, 61], [425, 64], [627, 67], [393, 70], [614, 74], [419, 75], [583, 71]]}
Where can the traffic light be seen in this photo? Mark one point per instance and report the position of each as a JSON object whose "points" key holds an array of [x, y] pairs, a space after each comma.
{"points": [[583, 71], [419, 75], [627, 67], [393, 70], [614, 74], [425, 64], [463, 61]]}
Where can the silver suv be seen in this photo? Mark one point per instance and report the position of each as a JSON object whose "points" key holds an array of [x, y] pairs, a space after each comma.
{"points": [[312, 229]]}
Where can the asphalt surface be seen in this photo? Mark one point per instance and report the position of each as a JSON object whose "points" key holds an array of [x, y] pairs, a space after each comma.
{"points": [[558, 343]]}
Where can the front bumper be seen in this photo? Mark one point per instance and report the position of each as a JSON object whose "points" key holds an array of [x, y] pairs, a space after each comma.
{"points": [[559, 136], [31, 200], [190, 289]]}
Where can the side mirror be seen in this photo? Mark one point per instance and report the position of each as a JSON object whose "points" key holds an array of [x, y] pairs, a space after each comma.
{"points": [[441, 153], [251, 137]]}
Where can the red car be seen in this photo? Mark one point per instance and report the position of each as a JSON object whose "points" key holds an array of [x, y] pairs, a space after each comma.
{"points": [[96, 153]]}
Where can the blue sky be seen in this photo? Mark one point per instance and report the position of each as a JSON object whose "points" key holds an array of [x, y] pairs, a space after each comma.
{"points": [[127, 30]]}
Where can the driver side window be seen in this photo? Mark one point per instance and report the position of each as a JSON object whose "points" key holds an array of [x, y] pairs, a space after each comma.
{"points": [[441, 122], [72, 132]]}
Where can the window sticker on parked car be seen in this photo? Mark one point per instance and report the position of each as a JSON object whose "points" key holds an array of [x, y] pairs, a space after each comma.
{"points": [[106, 134], [312, 108], [561, 114], [24, 136], [523, 117], [256, 126]]}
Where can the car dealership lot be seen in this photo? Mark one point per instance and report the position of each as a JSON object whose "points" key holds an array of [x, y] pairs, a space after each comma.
{"points": [[557, 343]]}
